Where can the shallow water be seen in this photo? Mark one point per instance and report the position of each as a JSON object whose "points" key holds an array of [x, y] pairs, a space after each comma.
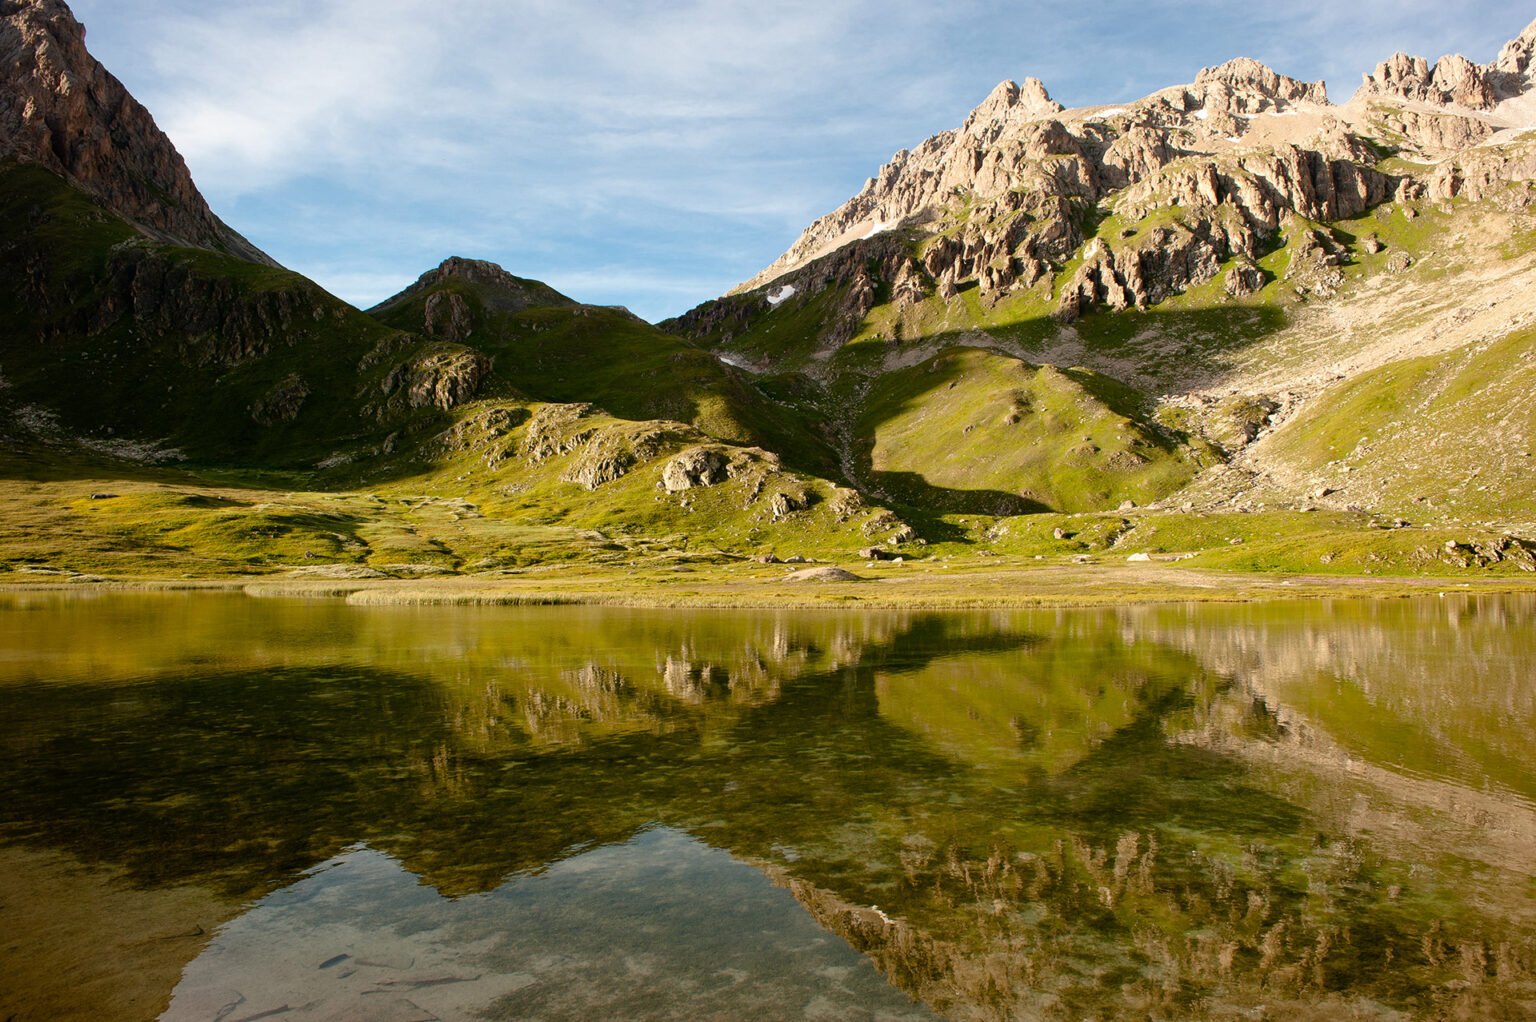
{"points": [[223, 807]]}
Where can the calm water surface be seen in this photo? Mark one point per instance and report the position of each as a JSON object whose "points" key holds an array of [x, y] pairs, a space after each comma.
{"points": [[224, 808]]}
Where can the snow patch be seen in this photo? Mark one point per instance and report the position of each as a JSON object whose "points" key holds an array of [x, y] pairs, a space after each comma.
{"points": [[1106, 114], [1202, 114], [879, 226], [777, 296]]}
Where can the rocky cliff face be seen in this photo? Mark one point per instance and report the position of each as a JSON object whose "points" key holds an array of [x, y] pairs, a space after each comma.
{"points": [[61, 109]]}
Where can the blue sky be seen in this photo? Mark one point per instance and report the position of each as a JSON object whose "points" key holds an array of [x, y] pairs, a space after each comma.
{"points": [[649, 154]]}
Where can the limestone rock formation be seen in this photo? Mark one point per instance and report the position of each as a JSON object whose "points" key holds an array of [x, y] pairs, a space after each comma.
{"points": [[1000, 202], [1455, 80], [61, 109], [1009, 199], [1517, 61], [698, 466]]}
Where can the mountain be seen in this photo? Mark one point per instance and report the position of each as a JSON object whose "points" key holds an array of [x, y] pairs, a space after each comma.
{"points": [[60, 109], [1296, 305], [1231, 319]]}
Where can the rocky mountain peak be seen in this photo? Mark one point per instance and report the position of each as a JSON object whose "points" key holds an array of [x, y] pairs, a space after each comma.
{"points": [[449, 316], [1516, 58], [61, 109], [1452, 80], [1255, 87], [1010, 104]]}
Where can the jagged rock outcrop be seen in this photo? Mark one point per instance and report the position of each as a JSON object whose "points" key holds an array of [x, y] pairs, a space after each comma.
{"points": [[1007, 106], [61, 109], [1012, 128], [441, 379], [1025, 172], [1452, 80], [609, 454], [1431, 134], [1455, 80], [222, 323], [282, 403], [698, 466], [447, 317], [556, 429], [1517, 61], [1483, 172], [1005, 202]]}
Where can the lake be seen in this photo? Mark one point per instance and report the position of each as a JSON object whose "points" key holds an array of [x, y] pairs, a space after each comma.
{"points": [[226, 808]]}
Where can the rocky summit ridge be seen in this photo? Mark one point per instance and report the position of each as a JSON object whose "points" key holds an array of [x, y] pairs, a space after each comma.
{"points": [[1248, 144]]}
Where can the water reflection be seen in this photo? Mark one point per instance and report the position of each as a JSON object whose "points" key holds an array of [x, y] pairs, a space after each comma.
{"points": [[1166, 812], [630, 931]]}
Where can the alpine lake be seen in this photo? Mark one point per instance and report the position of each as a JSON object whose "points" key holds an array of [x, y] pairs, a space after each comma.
{"points": [[224, 808]]}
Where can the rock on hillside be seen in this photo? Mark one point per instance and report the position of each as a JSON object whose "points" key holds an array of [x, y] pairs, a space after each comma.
{"points": [[61, 109]]}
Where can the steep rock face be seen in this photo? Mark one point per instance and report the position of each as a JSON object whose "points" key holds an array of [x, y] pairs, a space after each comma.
{"points": [[1482, 173], [1517, 60], [1011, 128], [61, 109], [1431, 134], [222, 323], [1007, 200], [440, 379]]}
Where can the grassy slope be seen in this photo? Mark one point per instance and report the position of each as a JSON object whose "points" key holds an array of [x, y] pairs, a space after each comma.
{"points": [[625, 366], [1450, 434], [1426, 424], [407, 483], [992, 430], [110, 376]]}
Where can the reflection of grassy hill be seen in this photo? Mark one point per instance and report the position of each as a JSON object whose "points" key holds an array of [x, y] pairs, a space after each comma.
{"points": [[1042, 708]]}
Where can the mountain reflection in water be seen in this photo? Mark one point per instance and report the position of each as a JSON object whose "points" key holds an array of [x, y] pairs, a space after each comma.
{"points": [[659, 926], [1167, 812]]}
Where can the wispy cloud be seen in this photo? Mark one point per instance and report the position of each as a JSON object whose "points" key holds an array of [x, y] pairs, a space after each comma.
{"points": [[672, 145]]}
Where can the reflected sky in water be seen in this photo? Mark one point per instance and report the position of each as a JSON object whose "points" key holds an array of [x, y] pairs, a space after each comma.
{"points": [[1173, 812]]}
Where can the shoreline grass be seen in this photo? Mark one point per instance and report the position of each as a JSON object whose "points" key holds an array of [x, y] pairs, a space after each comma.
{"points": [[962, 587]]}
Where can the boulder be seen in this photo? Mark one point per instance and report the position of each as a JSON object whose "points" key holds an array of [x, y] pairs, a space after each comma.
{"points": [[823, 574], [700, 466]]}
